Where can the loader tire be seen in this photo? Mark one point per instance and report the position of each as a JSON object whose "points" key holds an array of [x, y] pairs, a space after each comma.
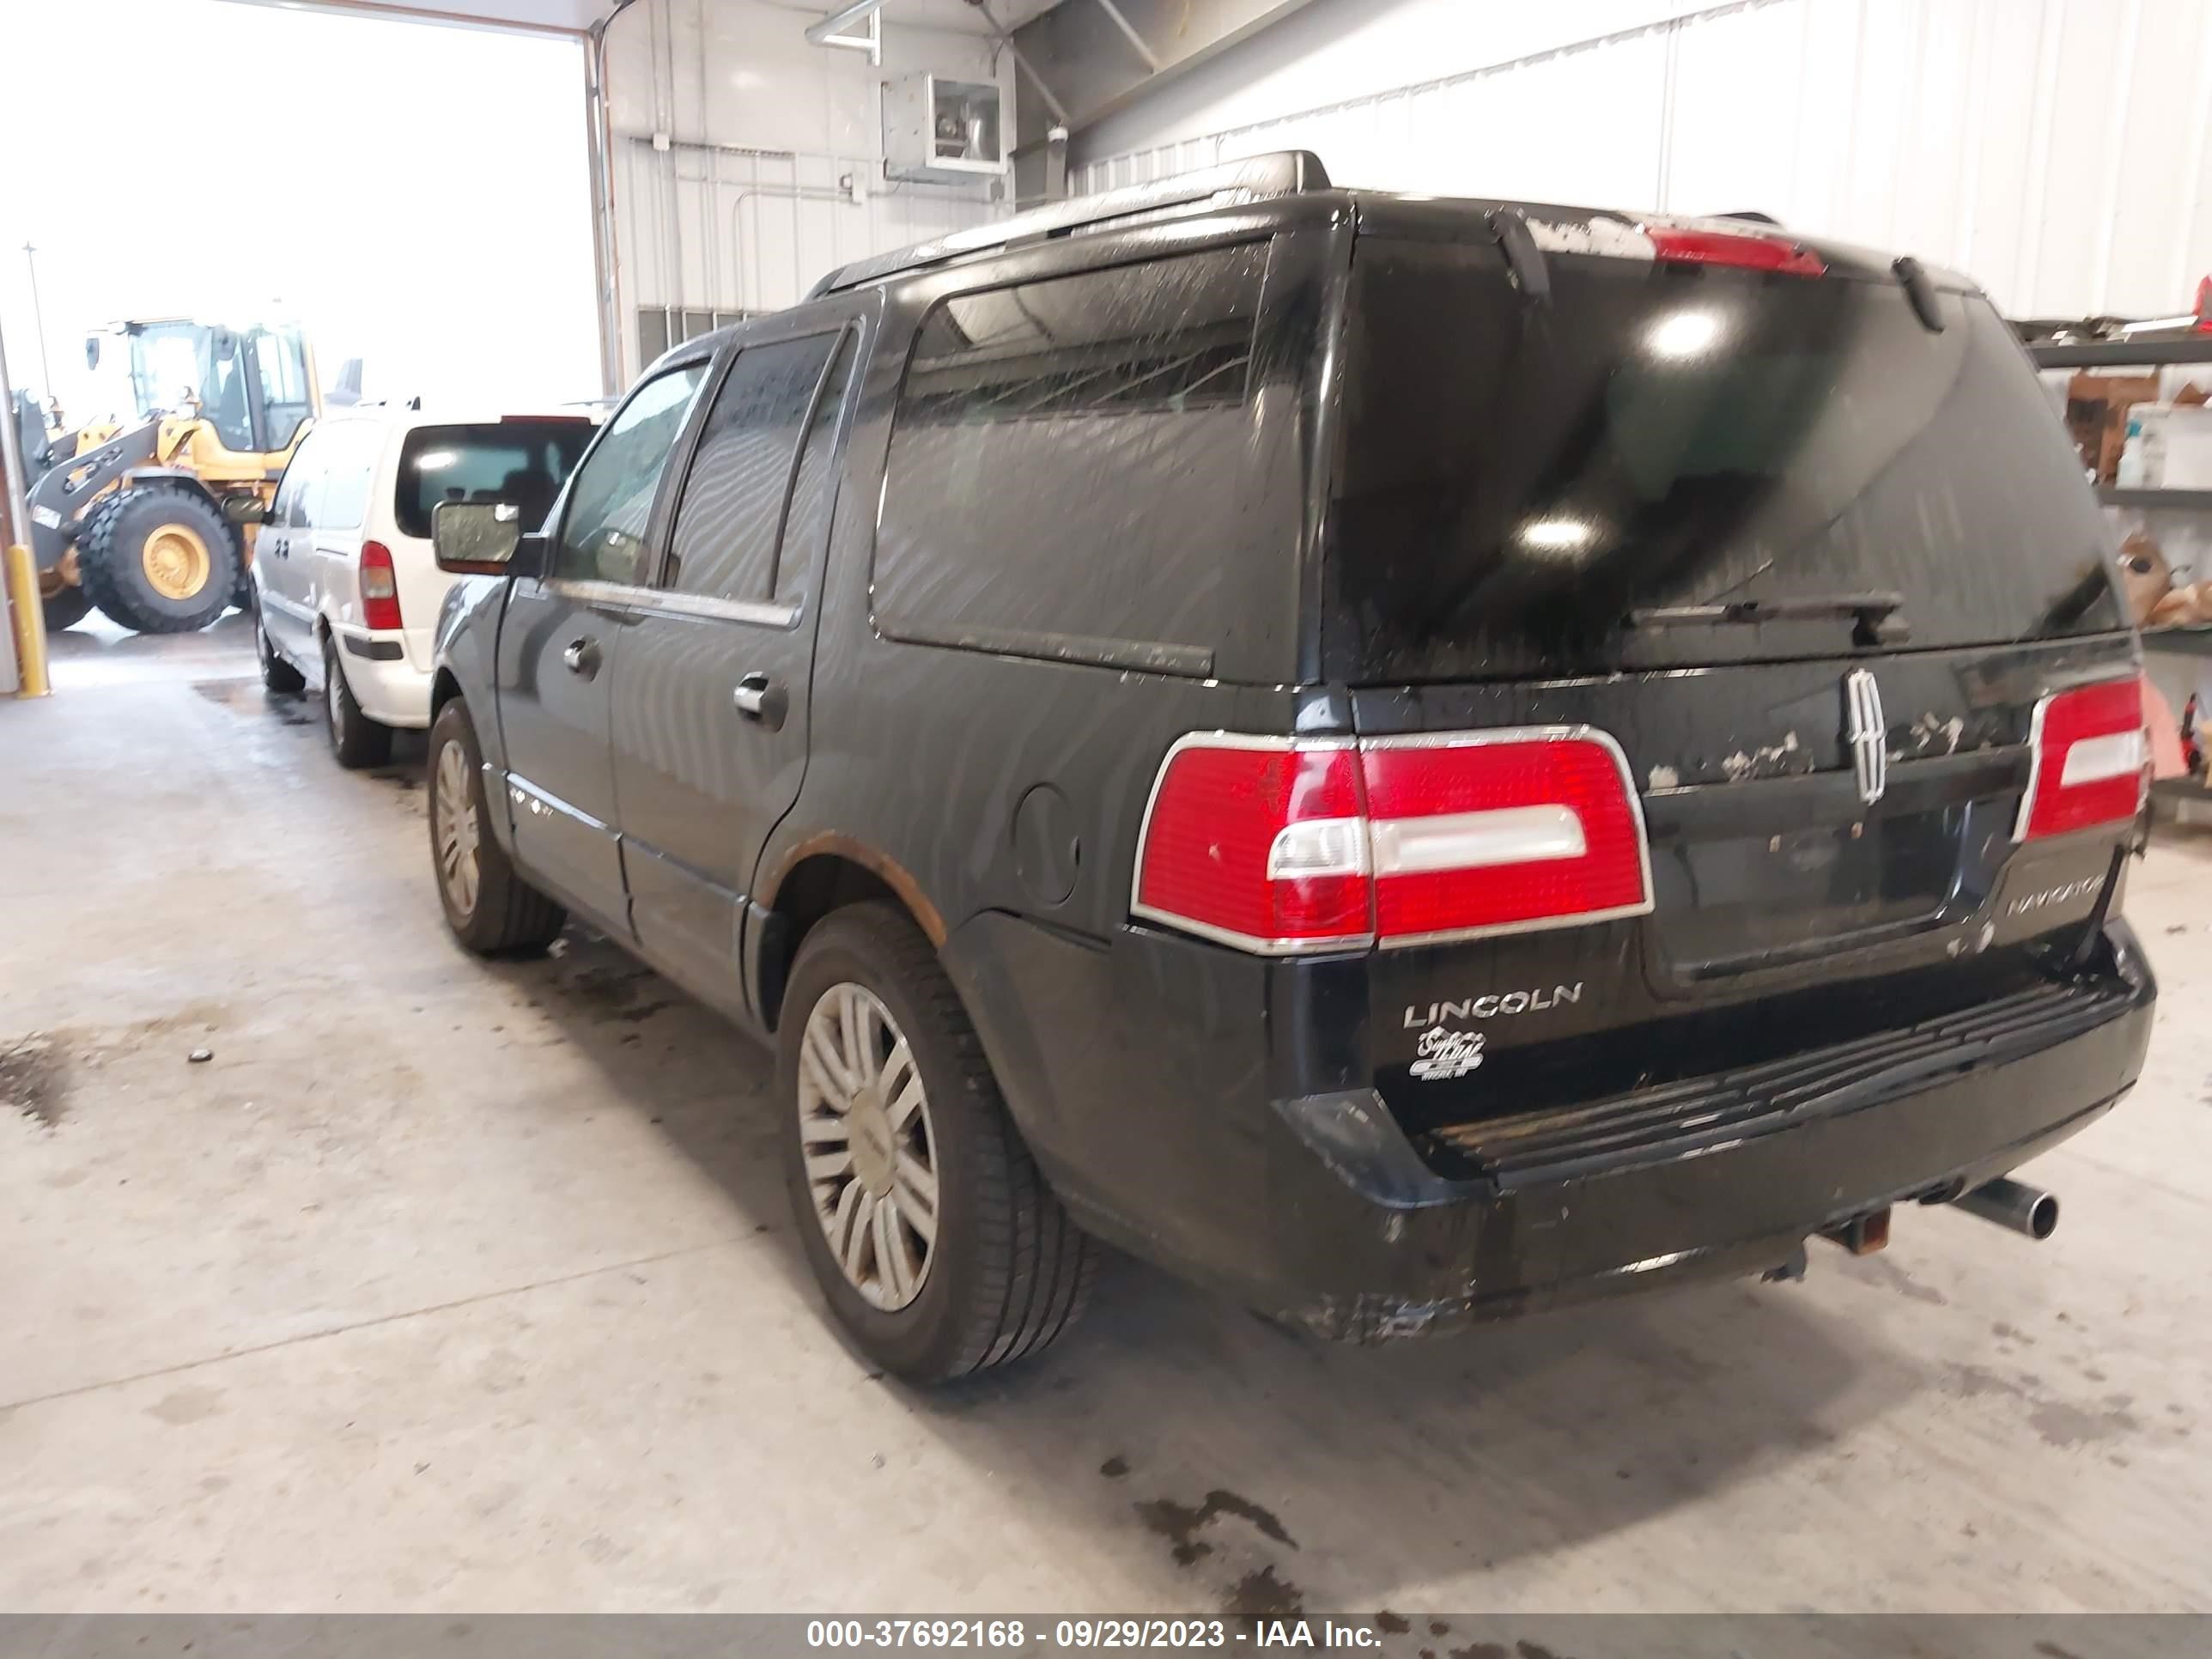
{"points": [[65, 607], [158, 560]]}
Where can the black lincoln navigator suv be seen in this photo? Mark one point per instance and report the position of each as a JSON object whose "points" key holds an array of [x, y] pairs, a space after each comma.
{"points": [[1413, 760]]}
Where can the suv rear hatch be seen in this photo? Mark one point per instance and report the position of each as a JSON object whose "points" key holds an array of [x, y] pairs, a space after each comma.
{"points": [[1796, 535]]}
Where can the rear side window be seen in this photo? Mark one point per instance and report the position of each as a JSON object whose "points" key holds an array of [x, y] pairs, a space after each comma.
{"points": [[1078, 470], [1516, 478], [726, 526], [348, 461], [813, 491], [523, 462]]}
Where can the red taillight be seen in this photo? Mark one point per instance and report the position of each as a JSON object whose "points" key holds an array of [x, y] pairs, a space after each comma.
{"points": [[1681, 245], [1257, 843], [1278, 847], [1488, 833], [2088, 767], [380, 588]]}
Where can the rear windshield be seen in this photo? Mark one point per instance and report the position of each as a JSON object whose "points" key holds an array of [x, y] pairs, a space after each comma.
{"points": [[1515, 475], [524, 462]]}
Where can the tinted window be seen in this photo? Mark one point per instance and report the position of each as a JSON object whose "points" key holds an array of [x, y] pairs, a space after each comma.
{"points": [[603, 528], [521, 461], [1078, 464], [806, 521], [724, 542], [1517, 478]]}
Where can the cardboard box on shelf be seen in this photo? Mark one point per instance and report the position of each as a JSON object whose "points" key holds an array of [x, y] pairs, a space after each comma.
{"points": [[2097, 415]]}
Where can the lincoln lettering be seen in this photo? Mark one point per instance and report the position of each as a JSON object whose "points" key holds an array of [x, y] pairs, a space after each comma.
{"points": [[1489, 1007]]}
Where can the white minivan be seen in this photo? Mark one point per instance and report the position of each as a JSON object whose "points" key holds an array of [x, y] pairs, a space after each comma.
{"points": [[346, 589]]}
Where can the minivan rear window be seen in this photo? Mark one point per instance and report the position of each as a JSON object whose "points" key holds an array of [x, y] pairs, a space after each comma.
{"points": [[1516, 475], [523, 461]]}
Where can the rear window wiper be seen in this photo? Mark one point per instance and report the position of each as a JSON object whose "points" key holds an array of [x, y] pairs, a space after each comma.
{"points": [[1873, 616]]}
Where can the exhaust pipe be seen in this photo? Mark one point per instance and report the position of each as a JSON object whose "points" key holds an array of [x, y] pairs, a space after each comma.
{"points": [[2013, 1204], [1863, 1234]]}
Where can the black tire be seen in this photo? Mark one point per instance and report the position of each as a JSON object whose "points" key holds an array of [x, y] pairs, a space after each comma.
{"points": [[112, 559], [356, 739], [241, 595], [1008, 1271], [65, 607], [508, 916], [276, 674]]}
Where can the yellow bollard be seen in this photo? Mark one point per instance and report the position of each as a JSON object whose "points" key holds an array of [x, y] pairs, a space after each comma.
{"points": [[28, 613]]}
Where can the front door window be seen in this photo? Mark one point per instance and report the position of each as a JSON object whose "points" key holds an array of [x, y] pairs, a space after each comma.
{"points": [[603, 532]]}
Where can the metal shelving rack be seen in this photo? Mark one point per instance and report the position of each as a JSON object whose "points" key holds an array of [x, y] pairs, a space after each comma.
{"points": [[2122, 353], [2161, 500], [2139, 353], [2172, 641]]}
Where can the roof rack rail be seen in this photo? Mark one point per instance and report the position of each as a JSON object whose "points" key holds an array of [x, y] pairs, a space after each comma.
{"points": [[1282, 173]]}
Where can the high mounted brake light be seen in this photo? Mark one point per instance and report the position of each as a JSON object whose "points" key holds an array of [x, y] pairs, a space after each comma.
{"points": [[1282, 848], [1609, 236], [1675, 244], [2088, 767]]}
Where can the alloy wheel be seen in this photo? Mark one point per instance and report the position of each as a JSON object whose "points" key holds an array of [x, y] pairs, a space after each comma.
{"points": [[454, 812], [865, 1131]]}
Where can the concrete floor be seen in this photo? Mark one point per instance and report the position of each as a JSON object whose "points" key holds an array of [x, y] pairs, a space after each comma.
{"points": [[449, 1286]]}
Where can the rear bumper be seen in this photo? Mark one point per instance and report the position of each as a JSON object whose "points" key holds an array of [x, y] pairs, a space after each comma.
{"points": [[1732, 1208], [1319, 1210], [390, 691]]}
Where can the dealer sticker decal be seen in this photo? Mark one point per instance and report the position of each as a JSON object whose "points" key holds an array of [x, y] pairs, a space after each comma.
{"points": [[1443, 1054]]}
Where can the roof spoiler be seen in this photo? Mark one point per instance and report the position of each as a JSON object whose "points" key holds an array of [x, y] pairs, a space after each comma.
{"points": [[1282, 173]]}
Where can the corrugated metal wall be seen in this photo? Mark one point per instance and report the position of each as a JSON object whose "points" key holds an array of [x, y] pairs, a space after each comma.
{"points": [[2054, 148], [769, 170], [736, 230]]}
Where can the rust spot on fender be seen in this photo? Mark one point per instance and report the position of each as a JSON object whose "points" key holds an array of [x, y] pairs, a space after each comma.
{"points": [[893, 874]]}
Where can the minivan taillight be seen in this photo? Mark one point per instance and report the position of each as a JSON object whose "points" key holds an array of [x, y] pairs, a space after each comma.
{"points": [[1279, 846], [380, 588], [2088, 766]]}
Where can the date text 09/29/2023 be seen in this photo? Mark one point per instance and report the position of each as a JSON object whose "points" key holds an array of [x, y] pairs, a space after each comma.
{"points": [[1077, 1634]]}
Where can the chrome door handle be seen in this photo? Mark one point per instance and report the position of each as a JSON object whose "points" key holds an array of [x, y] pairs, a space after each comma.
{"points": [[760, 698], [582, 657]]}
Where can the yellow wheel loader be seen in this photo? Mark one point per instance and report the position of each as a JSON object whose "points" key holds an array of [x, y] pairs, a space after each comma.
{"points": [[151, 517]]}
